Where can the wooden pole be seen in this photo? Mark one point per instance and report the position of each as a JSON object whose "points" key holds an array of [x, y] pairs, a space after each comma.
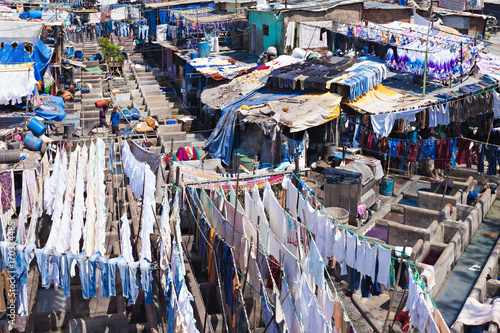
{"points": [[394, 292], [248, 266], [274, 312], [236, 207], [427, 48]]}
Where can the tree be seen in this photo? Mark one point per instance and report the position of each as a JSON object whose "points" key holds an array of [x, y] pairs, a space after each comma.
{"points": [[111, 51]]}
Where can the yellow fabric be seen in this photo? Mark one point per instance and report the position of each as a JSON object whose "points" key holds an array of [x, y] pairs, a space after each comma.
{"points": [[376, 95]]}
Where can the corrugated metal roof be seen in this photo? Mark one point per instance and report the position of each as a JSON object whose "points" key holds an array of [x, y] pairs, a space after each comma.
{"points": [[175, 3]]}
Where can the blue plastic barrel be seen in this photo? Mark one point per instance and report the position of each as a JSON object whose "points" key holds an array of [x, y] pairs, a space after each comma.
{"points": [[37, 127], [35, 14], [23, 15], [227, 41], [265, 165], [193, 54], [387, 185], [32, 142], [170, 122], [204, 48]]}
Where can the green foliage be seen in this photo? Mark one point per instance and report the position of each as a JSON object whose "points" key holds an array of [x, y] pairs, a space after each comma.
{"points": [[111, 51]]}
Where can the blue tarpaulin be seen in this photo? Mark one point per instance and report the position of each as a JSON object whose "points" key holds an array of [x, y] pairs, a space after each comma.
{"points": [[40, 54], [52, 108], [220, 143]]}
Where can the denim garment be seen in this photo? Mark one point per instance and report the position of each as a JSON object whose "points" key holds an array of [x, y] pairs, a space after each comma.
{"points": [[92, 273], [104, 267], [133, 288], [84, 277], [112, 276], [66, 272], [122, 264], [147, 281]]}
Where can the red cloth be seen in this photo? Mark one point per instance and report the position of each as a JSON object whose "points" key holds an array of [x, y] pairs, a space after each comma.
{"points": [[401, 148], [275, 272], [404, 318], [463, 152], [370, 146], [413, 152], [442, 154]]}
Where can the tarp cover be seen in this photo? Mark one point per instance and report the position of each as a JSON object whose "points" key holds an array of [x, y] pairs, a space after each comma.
{"points": [[220, 143], [304, 111], [20, 29], [51, 108], [41, 54], [340, 176]]}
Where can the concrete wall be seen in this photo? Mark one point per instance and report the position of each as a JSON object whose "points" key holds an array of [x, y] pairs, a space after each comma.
{"points": [[397, 233], [433, 200], [457, 244], [276, 32], [382, 16], [278, 22], [419, 217]]}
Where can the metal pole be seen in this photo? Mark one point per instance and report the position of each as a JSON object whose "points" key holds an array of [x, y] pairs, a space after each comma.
{"points": [[427, 48]]}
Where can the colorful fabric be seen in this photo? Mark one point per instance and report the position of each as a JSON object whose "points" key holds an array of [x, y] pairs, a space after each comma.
{"points": [[275, 273], [6, 183]]}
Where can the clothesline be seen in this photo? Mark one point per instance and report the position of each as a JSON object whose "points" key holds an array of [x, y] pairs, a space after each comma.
{"points": [[237, 231], [427, 140], [404, 32]]}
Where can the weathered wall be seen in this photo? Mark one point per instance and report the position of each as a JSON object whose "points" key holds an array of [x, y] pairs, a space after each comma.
{"points": [[382, 16], [276, 34]]}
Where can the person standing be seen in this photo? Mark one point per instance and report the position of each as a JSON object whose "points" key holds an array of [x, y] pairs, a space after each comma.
{"points": [[115, 120], [102, 116]]}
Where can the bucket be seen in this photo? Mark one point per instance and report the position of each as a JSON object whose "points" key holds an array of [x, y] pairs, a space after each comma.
{"points": [[193, 55], [235, 157], [227, 41], [23, 15], [35, 14], [204, 48], [78, 54], [340, 213], [13, 144], [68, 130], [328, 150], [387, 185], [247, 163], [37, 127], [79, 130], [32, 142], [265, 166], [10, 156]]}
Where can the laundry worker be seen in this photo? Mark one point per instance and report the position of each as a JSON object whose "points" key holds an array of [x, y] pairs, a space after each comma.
{"points": [[115, 120], [102, 116]]}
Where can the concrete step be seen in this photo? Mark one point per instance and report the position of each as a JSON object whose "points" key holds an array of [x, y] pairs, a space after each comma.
{"points": [[88, 63], [152, 99], [167, 137], [160, 112], [146, 87], [169, 128], [167, 147], [89, 114], [147, 93], [159, 104]]}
